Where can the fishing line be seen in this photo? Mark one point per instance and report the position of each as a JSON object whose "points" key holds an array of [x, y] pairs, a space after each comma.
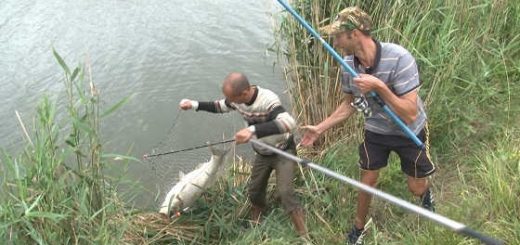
{"points": [[169, 132]]}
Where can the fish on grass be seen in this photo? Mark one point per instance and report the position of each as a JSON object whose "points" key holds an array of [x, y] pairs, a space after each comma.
{"points": [[191, 185]]}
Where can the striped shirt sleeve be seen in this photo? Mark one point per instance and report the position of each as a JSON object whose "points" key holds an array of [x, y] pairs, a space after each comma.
{"points": [[406, 75], [218, 106], [279, 120]]}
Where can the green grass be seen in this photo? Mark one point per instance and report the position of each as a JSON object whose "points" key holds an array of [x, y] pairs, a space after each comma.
{"points": [[481, 195]]}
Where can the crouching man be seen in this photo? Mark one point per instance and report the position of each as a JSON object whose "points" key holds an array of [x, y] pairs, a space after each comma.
{"points": [[268, 121]]}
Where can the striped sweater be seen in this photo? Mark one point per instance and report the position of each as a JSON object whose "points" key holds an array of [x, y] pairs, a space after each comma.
{"points": [[272, 123]]}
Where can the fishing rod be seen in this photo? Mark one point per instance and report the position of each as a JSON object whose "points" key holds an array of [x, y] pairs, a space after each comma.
{"points": [[188, 149], [359, 102], [454, 225]]}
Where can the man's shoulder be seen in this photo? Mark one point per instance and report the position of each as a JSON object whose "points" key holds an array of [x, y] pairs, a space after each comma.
{"points": [[264, 92], [393, 50]]}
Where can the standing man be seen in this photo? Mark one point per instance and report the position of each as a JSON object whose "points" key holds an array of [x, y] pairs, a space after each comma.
{"points": [[270, 123], [389, 70]]}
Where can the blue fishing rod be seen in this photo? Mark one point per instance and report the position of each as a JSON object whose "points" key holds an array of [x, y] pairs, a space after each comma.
{"points": [[360, 101]]}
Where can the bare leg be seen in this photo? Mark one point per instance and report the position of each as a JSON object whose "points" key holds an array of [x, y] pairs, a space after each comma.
{"points": [[368, 177], [418, 185]]}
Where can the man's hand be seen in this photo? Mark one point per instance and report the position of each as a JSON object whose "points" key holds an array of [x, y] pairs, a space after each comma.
{"points": [[367, 83], [243, 136], [312, 133], [186, 104]]}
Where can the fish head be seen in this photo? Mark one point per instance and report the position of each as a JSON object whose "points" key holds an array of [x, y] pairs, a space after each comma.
{"points": [[218, 152], [173, 206]]}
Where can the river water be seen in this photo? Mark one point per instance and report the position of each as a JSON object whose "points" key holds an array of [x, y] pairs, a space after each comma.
{"points": [[156, 51]]}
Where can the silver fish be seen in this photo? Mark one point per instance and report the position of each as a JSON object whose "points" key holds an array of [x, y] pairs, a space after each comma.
{"points": [[191, 185]]}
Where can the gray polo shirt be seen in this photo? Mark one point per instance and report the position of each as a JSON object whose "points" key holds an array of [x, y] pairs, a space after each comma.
{"points": [[396, 67]]}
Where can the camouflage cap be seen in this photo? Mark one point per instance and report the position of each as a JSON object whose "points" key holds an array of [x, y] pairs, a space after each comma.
{"points": [[349, 19]]}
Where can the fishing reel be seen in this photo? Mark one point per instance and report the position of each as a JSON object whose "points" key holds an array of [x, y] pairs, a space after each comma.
{"points": [[361, 105]]}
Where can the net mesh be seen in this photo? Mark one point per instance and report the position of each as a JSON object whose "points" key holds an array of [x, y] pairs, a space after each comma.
{"points": [[165, 168]]}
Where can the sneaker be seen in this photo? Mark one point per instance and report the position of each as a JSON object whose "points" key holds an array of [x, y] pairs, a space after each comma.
{"points": [[427, 200], [355, 236]]}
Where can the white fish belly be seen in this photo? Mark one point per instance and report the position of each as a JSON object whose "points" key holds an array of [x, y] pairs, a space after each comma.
{"points": [[191, 186], [186, 191]]}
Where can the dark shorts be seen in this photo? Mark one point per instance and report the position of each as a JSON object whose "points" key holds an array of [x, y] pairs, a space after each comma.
{"points": [[376, 148]]}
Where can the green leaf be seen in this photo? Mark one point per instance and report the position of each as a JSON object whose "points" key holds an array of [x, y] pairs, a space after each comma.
{"points": [[74, 74], [99, 212], [53, 216], [80, 124], [78, 152], [116, 106], [69, 142], [81, 93], [61, 62], [28, 210]]}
